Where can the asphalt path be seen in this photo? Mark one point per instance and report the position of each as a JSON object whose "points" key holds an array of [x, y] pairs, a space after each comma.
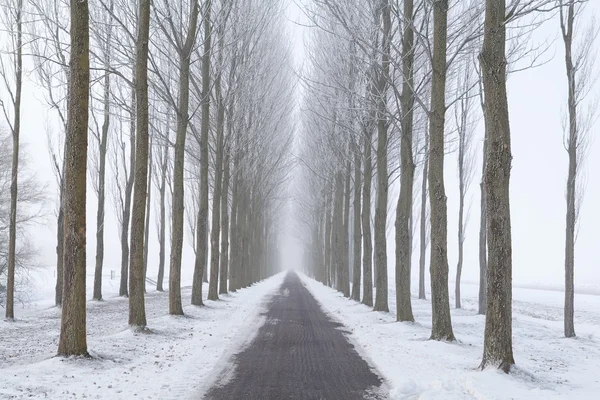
{"points": [[299, 353]]}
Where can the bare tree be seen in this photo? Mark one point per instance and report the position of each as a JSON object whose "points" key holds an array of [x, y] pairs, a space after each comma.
{"points": [[137, 311], [465, 129], [202, 220], [407, 171], [73, 322], [579, 63], [12, 18], [101, 137], [381, 277], [442, 325]]}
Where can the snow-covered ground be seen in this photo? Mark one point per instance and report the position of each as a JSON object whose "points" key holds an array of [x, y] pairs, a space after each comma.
{"points": [[177, 361], [548, 366]]}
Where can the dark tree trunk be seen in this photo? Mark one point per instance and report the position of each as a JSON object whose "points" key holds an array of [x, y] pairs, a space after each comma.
{"points": [[407, 173], [442, 324], [73, 340], [137, 310], [497, 350]]}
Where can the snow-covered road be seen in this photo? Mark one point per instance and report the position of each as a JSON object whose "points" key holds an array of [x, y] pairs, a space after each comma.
{"points": [[177, 361]]}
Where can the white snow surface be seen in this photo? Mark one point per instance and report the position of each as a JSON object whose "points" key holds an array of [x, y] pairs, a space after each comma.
{"points": [[548, 366], [178, 360]]}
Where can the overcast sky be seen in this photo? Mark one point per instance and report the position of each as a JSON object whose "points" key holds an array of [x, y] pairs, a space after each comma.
{"points": [[536, 99]]}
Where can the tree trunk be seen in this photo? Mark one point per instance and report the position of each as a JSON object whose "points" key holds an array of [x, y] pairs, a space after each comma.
{"points": [[123, 290], [572, 144], [213, 287], [224, 262], [148, 209], [381, 276], [60, 249], [442, 324], [482, 251], [357, 228], [16, 131], [423, 241], [101, 189], [497, 350], [345, 284], [202, 223], [73, 340], [163, 217], [407, 173], [366, 222], [137, 311], [177, 212], [328, 240]]}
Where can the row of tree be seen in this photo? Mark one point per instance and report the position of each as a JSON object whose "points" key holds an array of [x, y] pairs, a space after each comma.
{"points": [[194, 98], [392, 85]]}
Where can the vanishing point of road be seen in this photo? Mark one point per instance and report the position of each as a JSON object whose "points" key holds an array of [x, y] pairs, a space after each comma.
{"points": [[300, 354]]}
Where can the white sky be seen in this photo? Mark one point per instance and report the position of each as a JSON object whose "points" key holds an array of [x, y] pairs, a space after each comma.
{"points": [[536, 100]]}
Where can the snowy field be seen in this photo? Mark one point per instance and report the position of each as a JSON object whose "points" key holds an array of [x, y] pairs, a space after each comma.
{"points": [[176, 361], [548, 366]]}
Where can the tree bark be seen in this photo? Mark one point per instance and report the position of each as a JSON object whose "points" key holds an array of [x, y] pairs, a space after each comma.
{"points": [[407, 173], [202, 223], [72, 341], [137, 311], [442, 324], [177, 212], [16, 131], [497, 350]]}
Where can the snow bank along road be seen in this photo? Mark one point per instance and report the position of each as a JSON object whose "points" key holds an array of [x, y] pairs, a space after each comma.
{"points": [[299, 353]]}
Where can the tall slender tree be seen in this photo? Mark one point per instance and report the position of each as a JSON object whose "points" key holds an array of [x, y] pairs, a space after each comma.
{"points": [[442, 325], [13, 19], [137, 309]]}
